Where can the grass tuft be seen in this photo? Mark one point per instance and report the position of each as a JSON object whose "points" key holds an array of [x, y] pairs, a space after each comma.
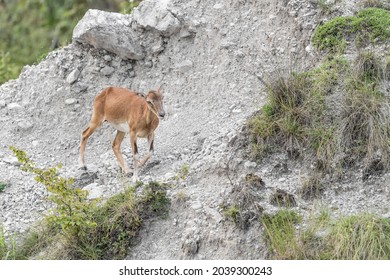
{"points": [[358, 237], [334, 115]]}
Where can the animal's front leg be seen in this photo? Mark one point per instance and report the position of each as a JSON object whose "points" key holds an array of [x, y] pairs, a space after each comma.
{"points": [[151, 149]]}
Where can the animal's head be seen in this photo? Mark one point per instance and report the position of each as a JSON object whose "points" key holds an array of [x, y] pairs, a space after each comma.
{"points": [[154, 99]]}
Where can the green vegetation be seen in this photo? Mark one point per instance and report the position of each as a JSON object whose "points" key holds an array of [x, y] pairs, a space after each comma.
{"points": [[32, 28], [370, 25], [333, 110], [182, 172], [279, 234], [231, 212], [7, 249], [72, 213], [359, 237], [81, 228], [3, 185]]}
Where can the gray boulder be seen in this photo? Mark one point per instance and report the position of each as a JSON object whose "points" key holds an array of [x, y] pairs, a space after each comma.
{"points": [[109, 31], [156, 15]]}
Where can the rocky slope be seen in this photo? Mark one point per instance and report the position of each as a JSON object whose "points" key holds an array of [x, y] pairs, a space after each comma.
{"points": [[207, 54]]}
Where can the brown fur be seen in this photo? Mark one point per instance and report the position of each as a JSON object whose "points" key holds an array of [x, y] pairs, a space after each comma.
{"points": [[125, 109]]}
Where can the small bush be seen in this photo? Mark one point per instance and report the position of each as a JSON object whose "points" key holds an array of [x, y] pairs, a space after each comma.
{"points": [[73, 211], [290, 109], [306, 113], [370, 23], [365, 122], [83, 228], [368, 68]]}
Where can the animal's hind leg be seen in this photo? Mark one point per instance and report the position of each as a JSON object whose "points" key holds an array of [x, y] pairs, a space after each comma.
{"points": [[116, 147], [136, 162], [84, 137]]}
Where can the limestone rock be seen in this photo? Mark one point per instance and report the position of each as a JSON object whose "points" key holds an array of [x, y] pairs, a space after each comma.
{"points": [[156, 15], [109, 31]]}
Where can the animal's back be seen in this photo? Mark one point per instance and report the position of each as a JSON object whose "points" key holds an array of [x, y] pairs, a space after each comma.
{"points": [[117, 102]]}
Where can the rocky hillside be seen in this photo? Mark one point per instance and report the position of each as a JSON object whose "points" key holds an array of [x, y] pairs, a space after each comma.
{"points": [[208, 55]]}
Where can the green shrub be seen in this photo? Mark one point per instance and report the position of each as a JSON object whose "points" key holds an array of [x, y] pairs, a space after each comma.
{"points": [[290, 109], [336, 113], [371, 24], [365, 121], [3, 185], [73, 210], [7, 69], [85, 229]]}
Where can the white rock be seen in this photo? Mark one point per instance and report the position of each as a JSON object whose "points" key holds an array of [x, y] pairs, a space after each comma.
{"points": [[109, 31], [25, 125], [14, 106], [156, 15], [184, 66], [11, 160], [249, 165], [94, 190], [73, 76], [107, 71], [70, 101]]}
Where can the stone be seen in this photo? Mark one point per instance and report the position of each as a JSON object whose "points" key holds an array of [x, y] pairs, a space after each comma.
{"points": [[250, 165], [184, 66], [14, 106], [109, 31], [155, 15], [73, 76], [107, 71], [25, 125], [94, 190], [70, 101], [11, 160]]}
